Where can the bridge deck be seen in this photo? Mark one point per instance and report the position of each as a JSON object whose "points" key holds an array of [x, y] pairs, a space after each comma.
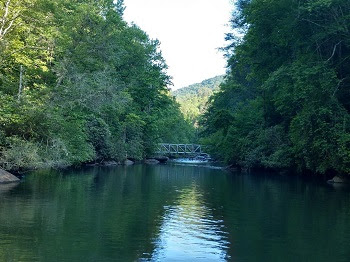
{"points": [[179, 149]]}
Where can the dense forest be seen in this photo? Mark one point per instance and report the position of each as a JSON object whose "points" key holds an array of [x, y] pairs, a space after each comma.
{"points": [[193, 98], [286, 99], [78, 84]]}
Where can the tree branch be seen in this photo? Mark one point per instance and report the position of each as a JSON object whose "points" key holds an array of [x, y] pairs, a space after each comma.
{"points": [[312, 22], [334, 48], [338, 85], [7, 24], [3, 19]]}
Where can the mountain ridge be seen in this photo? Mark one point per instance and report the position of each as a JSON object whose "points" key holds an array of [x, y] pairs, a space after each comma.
{"points": [[193, 98], [211, 83]]}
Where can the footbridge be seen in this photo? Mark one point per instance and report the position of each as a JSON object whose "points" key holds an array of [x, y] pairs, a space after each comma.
{"points": [[169, 149]]}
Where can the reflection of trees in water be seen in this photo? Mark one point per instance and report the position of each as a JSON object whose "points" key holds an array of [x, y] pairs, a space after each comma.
{"points": [[118, 213], [5, 188], [274, 215], [97, 213], [282, 218]]}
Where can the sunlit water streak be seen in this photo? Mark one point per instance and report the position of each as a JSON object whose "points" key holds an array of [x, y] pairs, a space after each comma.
{"points": [[189, 232]]}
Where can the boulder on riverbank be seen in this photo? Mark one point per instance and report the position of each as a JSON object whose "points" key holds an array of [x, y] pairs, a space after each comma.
{"points": [[6, 177], [152, 161]]}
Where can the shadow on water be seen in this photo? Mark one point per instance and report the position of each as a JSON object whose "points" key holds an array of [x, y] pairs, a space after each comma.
{"points": [[172, 213]]}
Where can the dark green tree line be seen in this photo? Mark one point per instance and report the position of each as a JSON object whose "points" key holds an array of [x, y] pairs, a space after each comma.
{"points": [[285, 102], [78, 84]]}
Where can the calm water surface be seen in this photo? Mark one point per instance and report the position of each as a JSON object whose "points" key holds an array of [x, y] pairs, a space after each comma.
{"points": [[172, 213]]}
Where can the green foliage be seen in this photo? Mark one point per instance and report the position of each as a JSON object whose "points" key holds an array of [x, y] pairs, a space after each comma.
{"points": [[286, 95], [20, 153], [193, 99], [99, 136], [134, 127], [78, 84]]}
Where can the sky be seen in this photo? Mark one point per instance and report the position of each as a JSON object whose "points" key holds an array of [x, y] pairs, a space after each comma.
{"points": [[190, 32]]}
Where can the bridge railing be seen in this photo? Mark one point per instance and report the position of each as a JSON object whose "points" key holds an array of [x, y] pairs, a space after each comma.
{"points": [[179, 149]]}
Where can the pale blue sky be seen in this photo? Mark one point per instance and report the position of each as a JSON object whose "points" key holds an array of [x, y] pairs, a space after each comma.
{"points": [[190, 31]]}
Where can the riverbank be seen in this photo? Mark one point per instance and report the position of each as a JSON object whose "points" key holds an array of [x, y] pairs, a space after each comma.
{"points": [[15, 175], [330, 178], [9, 176]]}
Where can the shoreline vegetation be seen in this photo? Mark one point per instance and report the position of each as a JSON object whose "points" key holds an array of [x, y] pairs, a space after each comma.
{"points": [[86, 88], [80, 88], [285, 101]]}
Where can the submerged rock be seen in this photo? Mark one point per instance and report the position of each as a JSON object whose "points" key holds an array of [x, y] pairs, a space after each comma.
{"points": [[128, 162], [6, 177], [152, 161], [231, 168], [338, 179], [92, 164], [110, 163]]}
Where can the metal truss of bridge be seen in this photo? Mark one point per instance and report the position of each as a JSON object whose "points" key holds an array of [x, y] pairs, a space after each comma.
{"points": [[167, 149]]}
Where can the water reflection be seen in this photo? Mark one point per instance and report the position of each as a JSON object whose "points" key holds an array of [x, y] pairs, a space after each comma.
{"points": [[172, 213], [189, 232], [5, 188]]}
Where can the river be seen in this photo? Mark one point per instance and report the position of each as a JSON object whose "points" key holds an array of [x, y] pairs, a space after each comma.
{"points": [[172, 213]]}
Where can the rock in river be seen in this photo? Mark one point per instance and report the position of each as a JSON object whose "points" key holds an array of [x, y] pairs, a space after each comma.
{"points": [[110, 163], [6, 177], [128, 162], [338, 179], [151, 161]]}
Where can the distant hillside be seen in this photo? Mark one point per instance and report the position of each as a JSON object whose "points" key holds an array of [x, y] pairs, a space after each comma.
{"points": [[193, 98], [197, 89]]}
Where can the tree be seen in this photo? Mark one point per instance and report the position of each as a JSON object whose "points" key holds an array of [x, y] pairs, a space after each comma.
{"points": [[91, 87], [287, 87]]}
